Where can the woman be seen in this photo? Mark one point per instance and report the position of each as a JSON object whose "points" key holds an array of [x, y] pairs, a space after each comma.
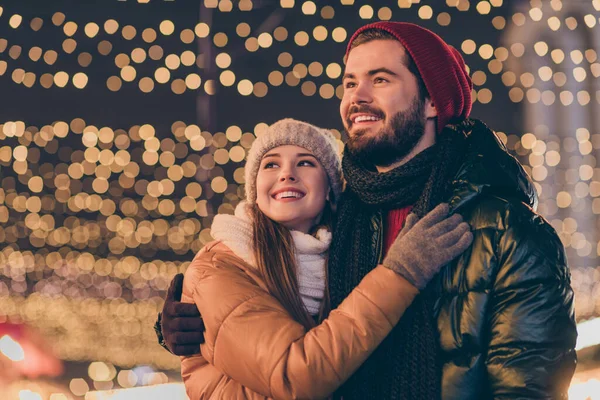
{"points": [[261, 286]]}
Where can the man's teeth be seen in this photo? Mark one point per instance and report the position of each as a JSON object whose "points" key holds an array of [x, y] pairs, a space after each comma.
{"points": [[363, 118], [285, 195]]}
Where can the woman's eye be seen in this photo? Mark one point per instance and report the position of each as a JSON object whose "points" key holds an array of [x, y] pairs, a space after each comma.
{"points": [[304, 163], [269, 165]]}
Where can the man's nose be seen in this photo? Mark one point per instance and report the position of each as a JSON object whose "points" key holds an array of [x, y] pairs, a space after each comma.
{"points": [[362, 94]]}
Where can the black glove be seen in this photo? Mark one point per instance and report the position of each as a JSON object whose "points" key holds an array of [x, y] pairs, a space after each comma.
{"points": [[179, 327]]}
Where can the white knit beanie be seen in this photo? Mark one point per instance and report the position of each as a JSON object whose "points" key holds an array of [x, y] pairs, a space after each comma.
{"points": [[289, 131]]}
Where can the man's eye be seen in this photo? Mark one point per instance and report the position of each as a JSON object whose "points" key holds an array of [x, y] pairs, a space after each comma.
{"points": [[380, 80], [349, 85]]}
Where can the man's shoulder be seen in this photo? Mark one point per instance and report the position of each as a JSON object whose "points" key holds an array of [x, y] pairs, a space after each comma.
{"points": [[499, 213], [515, 231]]}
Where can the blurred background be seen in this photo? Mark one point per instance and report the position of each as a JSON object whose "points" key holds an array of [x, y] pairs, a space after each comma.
{"points": [[124, 125]]}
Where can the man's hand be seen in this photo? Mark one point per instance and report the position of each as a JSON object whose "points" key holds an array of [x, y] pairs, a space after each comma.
{"points": [[181, 324]]}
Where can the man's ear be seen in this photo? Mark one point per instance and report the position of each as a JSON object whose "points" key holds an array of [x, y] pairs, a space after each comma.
{"points": [[430, 110]]}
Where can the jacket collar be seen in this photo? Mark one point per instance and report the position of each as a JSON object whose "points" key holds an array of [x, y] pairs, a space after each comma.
{"points": [[489, 169]]}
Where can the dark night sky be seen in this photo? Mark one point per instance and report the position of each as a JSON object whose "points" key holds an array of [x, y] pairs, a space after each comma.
{"points": [[129, 106]]}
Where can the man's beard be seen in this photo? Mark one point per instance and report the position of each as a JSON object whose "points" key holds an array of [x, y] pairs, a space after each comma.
{"points": [[394, 141]]}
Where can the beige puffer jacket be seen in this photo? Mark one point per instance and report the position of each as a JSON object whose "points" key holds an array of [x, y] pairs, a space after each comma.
{"points": [[254, 349]]}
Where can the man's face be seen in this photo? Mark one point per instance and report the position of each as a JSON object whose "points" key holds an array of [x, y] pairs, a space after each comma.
{"points": [[381, 108]]}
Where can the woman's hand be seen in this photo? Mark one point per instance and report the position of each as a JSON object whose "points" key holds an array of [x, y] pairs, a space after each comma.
{"points": [[424, 246]]}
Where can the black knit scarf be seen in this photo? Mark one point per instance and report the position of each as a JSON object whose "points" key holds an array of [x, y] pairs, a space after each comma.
{"points": [[407, 364]]}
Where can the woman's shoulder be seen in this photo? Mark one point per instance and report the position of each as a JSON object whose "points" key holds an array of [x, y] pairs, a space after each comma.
{"points": [[215, 258], [214, 255]]}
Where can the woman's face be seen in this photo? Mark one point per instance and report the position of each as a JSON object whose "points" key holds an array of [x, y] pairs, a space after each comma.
{"points": [[292, 187]]}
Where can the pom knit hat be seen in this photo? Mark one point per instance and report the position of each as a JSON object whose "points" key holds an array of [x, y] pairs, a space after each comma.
{"points": [[441, 66], [288, 131]]}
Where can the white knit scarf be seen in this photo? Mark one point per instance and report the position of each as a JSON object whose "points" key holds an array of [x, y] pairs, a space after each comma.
{"points": [[235, 231]]}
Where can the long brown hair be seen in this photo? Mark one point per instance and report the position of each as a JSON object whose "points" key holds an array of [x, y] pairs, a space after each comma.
{"points": [[273, 249]]}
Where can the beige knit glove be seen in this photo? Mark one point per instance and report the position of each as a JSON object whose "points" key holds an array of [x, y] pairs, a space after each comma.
{"points": [[423, 247]]}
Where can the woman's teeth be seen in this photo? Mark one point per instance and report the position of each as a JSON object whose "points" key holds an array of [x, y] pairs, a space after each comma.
{"points": [[285, 195]]}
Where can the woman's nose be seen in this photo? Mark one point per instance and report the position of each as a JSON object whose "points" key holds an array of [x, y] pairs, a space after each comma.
{"points": [[287, 174]]}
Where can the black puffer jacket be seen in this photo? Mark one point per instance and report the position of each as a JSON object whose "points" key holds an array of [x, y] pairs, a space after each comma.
{"points": [[505, 311]]}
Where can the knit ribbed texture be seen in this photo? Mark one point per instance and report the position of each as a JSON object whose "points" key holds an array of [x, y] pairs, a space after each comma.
{"points": [[393, 225], [288, 131], [441, 66], [235, 231], [406, 365]]}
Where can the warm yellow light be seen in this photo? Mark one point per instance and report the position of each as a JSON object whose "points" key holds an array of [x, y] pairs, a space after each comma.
{"points": [[138, 55], [301, 38], [444, 19], [265, 40], [557, 56], [483, 7], [202, 30], [80, 80], [167, 27], [243, 30], [114, 83], [227, 78], [15, 21], [366, 12], [188, 58], [178, 86], [111, 26], [50, 57], [220, 39], [128, 73], [149, 35], [58, 18], [162, 75], [308, 88], [309, 8], [554, 23], [576, 56], [245, 87], [91, 29], [193, 81], [172, 61], [320, 33], [128, 32], [146, 84], [468, 46], [61, 79], [275, 78], [499, 22], [327, 12], [334, 70], [223, 60], [327, 91], [486, 51]]}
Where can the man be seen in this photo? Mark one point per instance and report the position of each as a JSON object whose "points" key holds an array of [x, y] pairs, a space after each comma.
{"points": [[498, 321]]}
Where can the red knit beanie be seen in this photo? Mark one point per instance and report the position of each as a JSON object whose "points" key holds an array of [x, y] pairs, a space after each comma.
{"points": [[441, 66]]}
